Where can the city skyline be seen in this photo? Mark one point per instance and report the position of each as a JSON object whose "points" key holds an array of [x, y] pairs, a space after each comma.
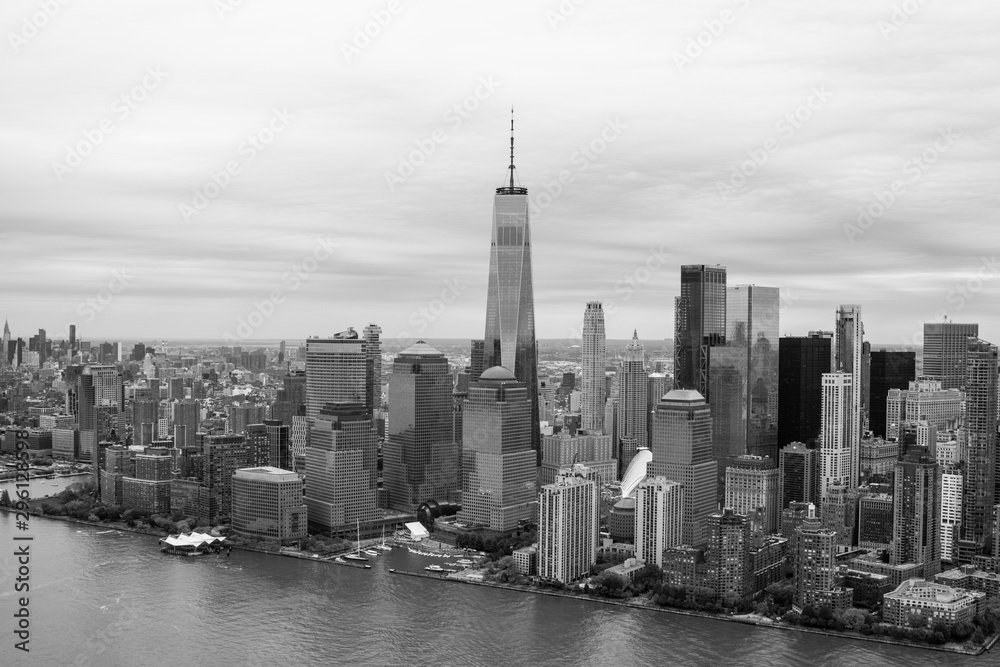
{"points": [[334, 163]]}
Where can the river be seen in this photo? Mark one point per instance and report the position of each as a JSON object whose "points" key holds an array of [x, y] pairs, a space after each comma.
{"points": [[102, 597]]}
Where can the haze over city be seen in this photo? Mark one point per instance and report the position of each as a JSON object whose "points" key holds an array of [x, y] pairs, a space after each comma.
{"points": [[844, 153]]}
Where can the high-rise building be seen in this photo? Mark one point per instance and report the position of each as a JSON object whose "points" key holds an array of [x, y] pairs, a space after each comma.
{"points": [[751, 487], [815, 563], [223, 456], [476, 360], [632, 390], [592, 368], [145, 411], [101, 400], [567, 528], [267, 503], [243, 414], [258, 449], [373, 367], [849, 358], [839, 434], [659, 512], [875, 522], [682, 452], [945, 347], [916, 528], [510, 299], [420, 456], [743, 375], [699, 323], [498, 463], [563, 449], [981, 441], [341, 461], [5, 355], [798, 475], [279, 437], [657, 386], [802, 361], [187, 418], [889, 370], [337, 371], [727, 557], [952, 483]]}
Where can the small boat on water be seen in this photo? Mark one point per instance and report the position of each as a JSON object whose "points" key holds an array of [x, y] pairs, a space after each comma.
{"points": [[464, 561], [435, 568], [355, 557], [370, 552]]}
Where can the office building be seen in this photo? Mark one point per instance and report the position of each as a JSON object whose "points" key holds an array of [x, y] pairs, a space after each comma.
{"points": [[222, 455], [657, 386], [510, 300], [659, 512], [187, 419], [420, 455], [372, 345], [889, 370], [498, 463], [727, 558], [916, 532], [341, 460], [798, 475], [563, 449], [802, 361], [337, 371], [875, 522], [699, 324], [267, 503], [926, 400], [593, 364], [632, 407], [945, 347], [849, 357], [682, 452]]}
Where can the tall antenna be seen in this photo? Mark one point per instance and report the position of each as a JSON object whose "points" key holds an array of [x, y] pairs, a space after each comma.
{"points": [[512, 146]]}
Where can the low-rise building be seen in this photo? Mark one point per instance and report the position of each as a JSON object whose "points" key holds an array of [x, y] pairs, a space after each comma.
{"points": [[969, 578], [935, 602], [526, 560]]}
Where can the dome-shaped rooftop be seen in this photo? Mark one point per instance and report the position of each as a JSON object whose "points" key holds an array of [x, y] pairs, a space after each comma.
{"points": [[497, 373], [686, 395], [626, 504], [422, 349]]}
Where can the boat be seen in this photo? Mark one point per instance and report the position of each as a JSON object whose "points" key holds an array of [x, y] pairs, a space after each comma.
{"points": [[370, 552], [434, 568], [357, 555], [464, 561], [382, 546]]}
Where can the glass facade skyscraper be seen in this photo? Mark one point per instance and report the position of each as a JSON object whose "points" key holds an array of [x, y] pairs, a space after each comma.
{"points": [[632, 400], [945, 347], [889, 370], [699, 323], [420, 456], [510, 303], [802, 362], [849, 358], [981, 441]]}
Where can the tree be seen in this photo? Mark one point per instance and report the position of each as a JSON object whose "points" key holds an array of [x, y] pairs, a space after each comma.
{"points": [[4, 499], [916, 620], [808, 611], [853, 618], [978, 637], [825, 613], [961, 631]]}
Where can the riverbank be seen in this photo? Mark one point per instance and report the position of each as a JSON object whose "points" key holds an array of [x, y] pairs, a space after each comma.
{"points": [[159, 534], [746, 619]]}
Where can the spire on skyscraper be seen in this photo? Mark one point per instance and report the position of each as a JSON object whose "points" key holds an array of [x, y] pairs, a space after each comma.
{"points": [[6, 327], [512, 145]]}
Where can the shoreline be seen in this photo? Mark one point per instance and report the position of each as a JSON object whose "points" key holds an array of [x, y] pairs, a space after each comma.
{"points": [[743, 619]]}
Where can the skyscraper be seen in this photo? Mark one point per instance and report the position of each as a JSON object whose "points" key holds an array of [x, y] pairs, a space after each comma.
{"points": [[945, 348], [839, 435], [889, 370], [593, 367], [682, 452], [498, 464], [373, 368], [337, 371], [632, 407], [798, 475], [815, 563], [567, 528], [341, 462], [699, 323], [187, 418], [981, 440], [510, 299], [5, 345], [657, 386], [849, 358], [743, 376], [420, 456], [751, 484], [101, 399], [659, 512], [916, 527]]}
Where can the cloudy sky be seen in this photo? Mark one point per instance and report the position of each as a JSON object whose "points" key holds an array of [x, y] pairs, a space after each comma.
{"points": [[191, 169]]}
